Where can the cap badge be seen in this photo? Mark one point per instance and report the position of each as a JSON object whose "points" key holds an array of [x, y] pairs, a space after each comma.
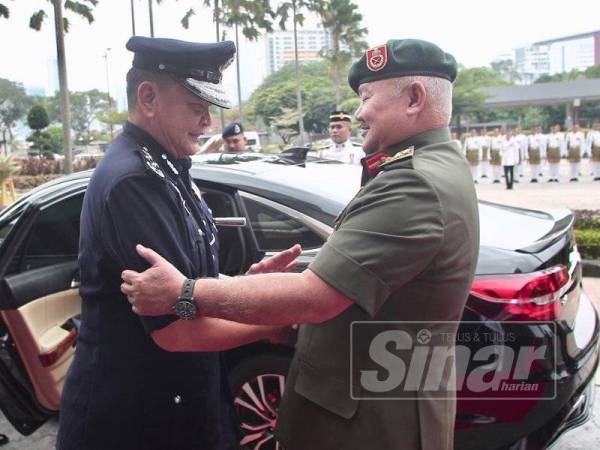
{"points": [[236, 129], [376, 58]]}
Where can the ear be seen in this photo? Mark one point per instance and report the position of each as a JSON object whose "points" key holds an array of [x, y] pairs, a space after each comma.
{"points": [[147, 98], [417, 96]]}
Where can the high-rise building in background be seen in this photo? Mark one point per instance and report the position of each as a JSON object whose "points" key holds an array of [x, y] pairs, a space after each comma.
{"points": [[280, 46], [559, 55]]}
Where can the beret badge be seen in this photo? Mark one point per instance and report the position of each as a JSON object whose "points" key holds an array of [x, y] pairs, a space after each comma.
{"points": [[376, 58]]}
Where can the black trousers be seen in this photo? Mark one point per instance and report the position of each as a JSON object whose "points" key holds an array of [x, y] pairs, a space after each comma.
{"points": [[509, 175]]}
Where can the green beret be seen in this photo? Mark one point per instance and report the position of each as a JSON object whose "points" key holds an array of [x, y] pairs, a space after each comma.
{"points": [[402, 58]]}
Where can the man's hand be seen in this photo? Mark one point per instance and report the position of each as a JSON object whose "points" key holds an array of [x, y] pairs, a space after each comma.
{"points": [[280, 262], [154, 291]]}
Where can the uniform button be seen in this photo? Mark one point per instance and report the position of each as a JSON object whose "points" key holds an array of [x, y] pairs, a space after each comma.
{"points": [[177, 399]]}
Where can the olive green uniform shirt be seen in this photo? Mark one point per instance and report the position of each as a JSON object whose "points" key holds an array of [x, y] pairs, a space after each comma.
{"points": [[404, 249]]}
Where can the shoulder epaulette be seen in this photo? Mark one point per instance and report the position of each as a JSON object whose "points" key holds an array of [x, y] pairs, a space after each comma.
{"points": [[401, 156]]}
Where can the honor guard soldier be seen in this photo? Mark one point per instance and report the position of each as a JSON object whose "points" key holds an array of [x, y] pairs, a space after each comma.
{"points": [[497, 142], [536, 152], [555, 151], [341, 148], [522, 140], [575, 141], [510, 157], [124, 390], [418, 202], [473, 153], [486, 142], [234, 138], [593, 144]]}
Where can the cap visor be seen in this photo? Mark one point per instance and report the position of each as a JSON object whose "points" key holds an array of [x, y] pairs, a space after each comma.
{"points": [[211, 92]]}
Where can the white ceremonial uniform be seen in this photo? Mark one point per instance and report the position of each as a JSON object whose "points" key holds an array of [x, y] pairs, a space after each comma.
{"points": [[496, 156], [556, 149], [575, 150], [486, 144], [473, 155], [346, 152], [593, 146], [520, 167], [536, 153], [511, 151]]}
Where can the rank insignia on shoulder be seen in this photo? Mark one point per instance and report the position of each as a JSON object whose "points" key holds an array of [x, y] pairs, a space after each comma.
{"points": [[150, 163], [399, 156], [373, 163]]}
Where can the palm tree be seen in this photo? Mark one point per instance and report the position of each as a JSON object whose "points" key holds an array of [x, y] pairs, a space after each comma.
{"points": [[342, 20], [252, 16], [61, 26], [283, 11]]}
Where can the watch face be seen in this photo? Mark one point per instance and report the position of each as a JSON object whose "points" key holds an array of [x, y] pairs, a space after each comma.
{"points": [[185, 309]]}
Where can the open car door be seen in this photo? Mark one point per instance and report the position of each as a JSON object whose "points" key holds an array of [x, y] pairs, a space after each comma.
{"points": [[39, 306]]}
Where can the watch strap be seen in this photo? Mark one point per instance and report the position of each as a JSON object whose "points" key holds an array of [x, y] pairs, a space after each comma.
{"points": [[187, 290]]}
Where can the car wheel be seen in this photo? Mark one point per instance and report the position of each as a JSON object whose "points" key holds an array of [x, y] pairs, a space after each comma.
{"points": [[257, 384]]}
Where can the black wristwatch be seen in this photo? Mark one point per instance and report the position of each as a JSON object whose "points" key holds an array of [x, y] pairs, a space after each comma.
{"points": [[185, 308]]}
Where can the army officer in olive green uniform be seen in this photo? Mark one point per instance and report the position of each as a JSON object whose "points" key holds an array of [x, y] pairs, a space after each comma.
{"points": [[404, 249]]}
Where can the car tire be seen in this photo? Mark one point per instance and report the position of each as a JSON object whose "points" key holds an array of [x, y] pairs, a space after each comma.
{"points": [[257, 385]]}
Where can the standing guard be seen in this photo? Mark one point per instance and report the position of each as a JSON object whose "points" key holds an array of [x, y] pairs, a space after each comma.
{"points": [[473, 153], [497, 141], [486, 143], [575, 150], [536, 152], [522, 144], [593, 144], [555, 151]]}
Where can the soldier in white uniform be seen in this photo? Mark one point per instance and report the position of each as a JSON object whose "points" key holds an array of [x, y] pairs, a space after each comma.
{"points": [[576, 147], [593, 146], [497, 141], [522, 140], [557, 148], [486, 144], [340, 147], [472, 149], [510, 157], [536, 152]]}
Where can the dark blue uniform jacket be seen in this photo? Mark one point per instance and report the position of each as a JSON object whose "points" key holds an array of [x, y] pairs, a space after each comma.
{"points": [[122, 390]]}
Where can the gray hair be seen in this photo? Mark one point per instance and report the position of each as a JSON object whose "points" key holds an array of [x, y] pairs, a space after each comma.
{"points": [[439, 94]]}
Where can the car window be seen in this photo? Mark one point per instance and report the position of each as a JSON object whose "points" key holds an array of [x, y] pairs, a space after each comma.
{"points": [[54, 236], [232, 249], [275, 230], [7, 224]]}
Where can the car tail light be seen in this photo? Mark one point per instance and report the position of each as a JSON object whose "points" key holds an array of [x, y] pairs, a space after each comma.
{"points": [[520, 297]]}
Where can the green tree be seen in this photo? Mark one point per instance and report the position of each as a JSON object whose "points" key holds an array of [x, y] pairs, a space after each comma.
{"points": [[13, 105], [37, 119], [112, 117], [295, 8], [252, 16], [276, 93], [467, 92], [342, 19], [61, 25], [55, 142], [85, 107]]}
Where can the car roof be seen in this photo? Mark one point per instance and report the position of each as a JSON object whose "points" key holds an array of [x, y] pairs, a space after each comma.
{"points": [[317, 189]]}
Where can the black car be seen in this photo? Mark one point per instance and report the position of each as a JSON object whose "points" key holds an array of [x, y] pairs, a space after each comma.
{"points": [[528, 287]]}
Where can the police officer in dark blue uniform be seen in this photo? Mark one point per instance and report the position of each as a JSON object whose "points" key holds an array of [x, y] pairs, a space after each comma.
{"points": [[124, 390]]}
